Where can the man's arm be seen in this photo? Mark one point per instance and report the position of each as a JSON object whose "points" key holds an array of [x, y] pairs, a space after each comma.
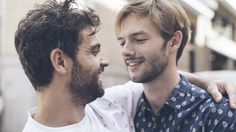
{"points": [[215, 87]]}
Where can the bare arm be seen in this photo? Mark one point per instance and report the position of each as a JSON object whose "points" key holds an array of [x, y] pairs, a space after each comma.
{"points": [[215, 87]]}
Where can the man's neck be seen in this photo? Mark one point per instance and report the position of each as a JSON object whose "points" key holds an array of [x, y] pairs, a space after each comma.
{"points": [[55, 109], [158, 90]]}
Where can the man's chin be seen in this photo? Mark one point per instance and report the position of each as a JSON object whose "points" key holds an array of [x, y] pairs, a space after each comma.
{"points": [[99, 93], [140, 80], [135, 79]]}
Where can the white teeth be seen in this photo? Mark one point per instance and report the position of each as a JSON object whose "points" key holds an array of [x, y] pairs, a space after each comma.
{"points": [[133, 64]]}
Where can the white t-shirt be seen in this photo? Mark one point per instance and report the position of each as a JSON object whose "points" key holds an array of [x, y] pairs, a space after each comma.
{"points": [[114, 112]]}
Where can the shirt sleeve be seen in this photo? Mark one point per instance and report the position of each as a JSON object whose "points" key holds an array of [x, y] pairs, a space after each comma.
{"points": [[126, 96], [118, 105]]}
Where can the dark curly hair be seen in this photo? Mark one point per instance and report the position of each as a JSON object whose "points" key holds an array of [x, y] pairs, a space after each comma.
{"points": [[49, 26]]}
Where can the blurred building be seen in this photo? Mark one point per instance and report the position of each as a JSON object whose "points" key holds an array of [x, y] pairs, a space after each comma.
{"points": [[212, 47]]}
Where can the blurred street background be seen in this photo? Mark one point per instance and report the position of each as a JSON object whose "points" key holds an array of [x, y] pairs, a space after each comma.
{"points": [[211, 51]]}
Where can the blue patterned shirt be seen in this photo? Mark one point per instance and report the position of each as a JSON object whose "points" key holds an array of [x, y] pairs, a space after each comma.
{"points": [[188, 109]]}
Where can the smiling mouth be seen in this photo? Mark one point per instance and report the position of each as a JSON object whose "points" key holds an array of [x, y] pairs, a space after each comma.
{"points": [[99, 79], [101, 70], [134, 62]]}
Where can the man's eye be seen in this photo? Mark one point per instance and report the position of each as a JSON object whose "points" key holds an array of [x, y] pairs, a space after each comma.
{"points": [[140, 40], [122, 44], [95, 51]]}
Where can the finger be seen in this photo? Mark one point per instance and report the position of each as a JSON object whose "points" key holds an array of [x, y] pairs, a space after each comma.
{"points": [[231, 91], [215, 93]]}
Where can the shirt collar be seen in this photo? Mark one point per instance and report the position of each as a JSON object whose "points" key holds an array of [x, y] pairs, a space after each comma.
{"points": [[176, 101]]}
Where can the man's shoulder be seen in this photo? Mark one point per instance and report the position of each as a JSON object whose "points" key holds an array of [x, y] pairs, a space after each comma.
{"points": [[121, 97], [221, 116], [205, 101], [221, 108], [218, 114], [124, 90]]}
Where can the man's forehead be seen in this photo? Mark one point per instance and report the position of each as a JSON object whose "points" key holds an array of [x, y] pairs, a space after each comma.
{"points": [[87, 31], [136, 26], [133, 25], [89, 38]]}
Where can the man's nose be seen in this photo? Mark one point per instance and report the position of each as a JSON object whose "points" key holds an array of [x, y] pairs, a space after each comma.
{"points": [[104, 61], [127, 50]]}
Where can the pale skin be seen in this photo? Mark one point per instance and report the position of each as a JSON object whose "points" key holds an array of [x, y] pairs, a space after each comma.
{"points": [[139, 37], [54, 102]]}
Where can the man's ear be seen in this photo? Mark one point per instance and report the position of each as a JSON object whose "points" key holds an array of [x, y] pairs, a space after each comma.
{"points": [[176, 41], [59, 61]]}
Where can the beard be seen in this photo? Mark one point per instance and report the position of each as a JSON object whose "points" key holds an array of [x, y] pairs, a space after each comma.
{"points": [[83, 85], [155, 67]]}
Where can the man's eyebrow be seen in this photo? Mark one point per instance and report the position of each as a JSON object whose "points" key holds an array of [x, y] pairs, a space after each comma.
{"points": [[134, 34], [139, 33], [119, 38], [95, 46]]}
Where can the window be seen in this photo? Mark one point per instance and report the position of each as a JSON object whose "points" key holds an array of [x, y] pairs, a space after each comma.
{"points": [[218, 61], [223, 26]]}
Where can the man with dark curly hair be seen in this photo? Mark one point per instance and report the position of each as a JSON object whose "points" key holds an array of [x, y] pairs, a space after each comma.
{"points": [[60, 54]]}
